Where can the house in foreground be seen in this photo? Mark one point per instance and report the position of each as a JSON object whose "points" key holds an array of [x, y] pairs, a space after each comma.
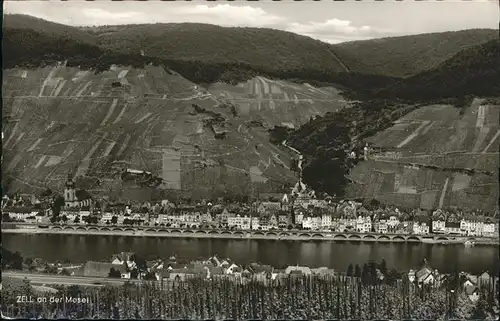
{"points": [[472, 292]]}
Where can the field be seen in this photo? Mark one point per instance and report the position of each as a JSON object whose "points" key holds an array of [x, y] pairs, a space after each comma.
{"points": [[64, 120], [290, 297], [436, 158]]}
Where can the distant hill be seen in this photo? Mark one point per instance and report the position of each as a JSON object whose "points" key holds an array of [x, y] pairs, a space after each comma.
{"points": [[237, 53], [202, 53], [207, 53], [266, 49], [409, 55], [48, 28], [473, 71]]}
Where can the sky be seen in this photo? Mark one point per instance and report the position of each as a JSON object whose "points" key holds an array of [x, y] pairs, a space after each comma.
{"points": [[328, 21]]}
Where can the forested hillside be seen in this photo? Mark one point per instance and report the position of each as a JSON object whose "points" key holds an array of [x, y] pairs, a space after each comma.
{"points": [[265, 49], [202, 53], [409, 55], [473, 71]]}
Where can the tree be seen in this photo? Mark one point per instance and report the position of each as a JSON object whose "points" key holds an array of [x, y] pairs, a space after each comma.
{"points": [[350, 270], [140, 262], [46, 193], [12, 260], [134, 274], [365, 274], [357, 271], [65, 272], [6, 217], [53, 219], [64, 218], [50, 269], [29, 263], [480, 312], [372, 268], [57, 205], [392, 276], [114, 220], [383, 267]]}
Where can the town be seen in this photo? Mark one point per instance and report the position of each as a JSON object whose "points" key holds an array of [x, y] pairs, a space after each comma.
{"points": [[299, 210], [128, 266]]}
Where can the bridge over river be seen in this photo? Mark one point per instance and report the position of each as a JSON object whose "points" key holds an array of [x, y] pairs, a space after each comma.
{"points": [[239, 234]]}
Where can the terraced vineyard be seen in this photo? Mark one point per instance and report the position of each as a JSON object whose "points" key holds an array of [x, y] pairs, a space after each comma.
{"points": [[94, 126], [276, 102], [435, 157]]}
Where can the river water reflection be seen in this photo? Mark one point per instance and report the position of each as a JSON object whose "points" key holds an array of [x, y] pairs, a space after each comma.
{"points": [[402, 256]]}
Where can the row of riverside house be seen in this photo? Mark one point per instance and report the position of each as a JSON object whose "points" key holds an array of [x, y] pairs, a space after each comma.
{"points": [[308, 214]]}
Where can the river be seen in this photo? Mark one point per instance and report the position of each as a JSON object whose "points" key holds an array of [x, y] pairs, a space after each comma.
{"points": [[402, 256]]}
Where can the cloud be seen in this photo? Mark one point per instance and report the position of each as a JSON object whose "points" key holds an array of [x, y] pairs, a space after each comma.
{"points": [[111, 17], [332, 30], [229, 15], [336, 30]]}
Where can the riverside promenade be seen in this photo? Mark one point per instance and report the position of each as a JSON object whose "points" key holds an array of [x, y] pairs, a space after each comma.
{"points": [[292, 235]]}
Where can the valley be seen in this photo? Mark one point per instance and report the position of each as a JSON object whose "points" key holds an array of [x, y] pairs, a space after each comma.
{"points": [[140, 118]]}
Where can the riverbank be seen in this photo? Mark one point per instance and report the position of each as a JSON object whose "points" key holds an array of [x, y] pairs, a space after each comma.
{"points": [[249, 236]]}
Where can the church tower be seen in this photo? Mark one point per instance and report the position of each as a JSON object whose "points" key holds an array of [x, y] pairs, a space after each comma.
{"points": [[70, 192]]}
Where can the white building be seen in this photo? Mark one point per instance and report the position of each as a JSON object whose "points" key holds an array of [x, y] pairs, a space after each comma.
{"points": [[393, 222], [438, 226], [488, 229], [107, 217], [255, 222], [364, 224], [299, 217], [84, 213], [420, 228], [239, 222], [360, 224], [22, 215], [367, 224], [246, 222], [326, 221], [382, 227], [312, 223]]}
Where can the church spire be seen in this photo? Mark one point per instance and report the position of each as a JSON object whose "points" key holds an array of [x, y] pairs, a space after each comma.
{"points": [[69, 181]]}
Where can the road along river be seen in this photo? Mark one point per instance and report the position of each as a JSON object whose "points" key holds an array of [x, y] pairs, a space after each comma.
{"points": [[337, 255]]}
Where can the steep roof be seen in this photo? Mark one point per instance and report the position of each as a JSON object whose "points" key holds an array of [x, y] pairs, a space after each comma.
{"points": [[423, 273], [303, 269], [469, 290]]}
